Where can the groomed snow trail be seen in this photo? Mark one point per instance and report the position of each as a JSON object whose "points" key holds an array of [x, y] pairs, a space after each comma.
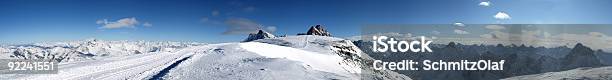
{"points": [[259, 61], [142, 66]]}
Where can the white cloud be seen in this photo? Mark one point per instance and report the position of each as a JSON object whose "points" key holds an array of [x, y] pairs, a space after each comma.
{"points": [[524, 36], [546, 35], [529, 38], [147, 24], [484, 3], [595, 40], [245, 26], [487, 36], [502, 16], [102, 21], [121, 23], [495, 27], [458, 31], [597, 34], [459, 24]]}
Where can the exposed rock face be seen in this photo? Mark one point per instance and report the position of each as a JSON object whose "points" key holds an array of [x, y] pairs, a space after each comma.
{"points": [[259, 35], [581, 56], [318, 30]]}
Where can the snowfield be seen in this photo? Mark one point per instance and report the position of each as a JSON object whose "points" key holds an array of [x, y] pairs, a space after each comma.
{"points": [[236, 61], [128, 67], [285, 58]]}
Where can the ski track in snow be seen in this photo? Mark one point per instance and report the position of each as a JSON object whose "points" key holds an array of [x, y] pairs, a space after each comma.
{"points": [[140, 66], [259, 61], [248, 60]]}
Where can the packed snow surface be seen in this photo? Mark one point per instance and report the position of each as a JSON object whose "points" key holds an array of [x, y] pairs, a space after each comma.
{"points": [[286, 58]]}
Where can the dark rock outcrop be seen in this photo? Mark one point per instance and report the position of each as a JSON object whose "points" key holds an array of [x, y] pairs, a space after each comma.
{"points": [[317, 30], [581, 56], [259, 35]]}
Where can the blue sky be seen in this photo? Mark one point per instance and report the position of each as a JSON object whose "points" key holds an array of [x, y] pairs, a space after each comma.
{"points": [[226, 20]]}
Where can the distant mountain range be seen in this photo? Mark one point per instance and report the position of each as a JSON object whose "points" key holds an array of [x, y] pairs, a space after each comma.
{"points": [[87, 50], [520, 60]]}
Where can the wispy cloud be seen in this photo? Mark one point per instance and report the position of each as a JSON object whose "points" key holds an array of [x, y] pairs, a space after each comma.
{"points": [[495, 27], [121, 23], [458, 31], [245, 26], [147, 24]]}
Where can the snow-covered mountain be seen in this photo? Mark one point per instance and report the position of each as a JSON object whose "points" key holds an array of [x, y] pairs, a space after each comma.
{"points": [[261, 34], [304, 57], [520, 59], [87, 49], [352, 59], [581, 56], [316, 30]]}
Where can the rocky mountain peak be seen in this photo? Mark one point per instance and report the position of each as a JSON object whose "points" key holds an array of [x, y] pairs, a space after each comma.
{"points": [[499, 45], [599, 51], [261, 34], [451, 44], [581, 56], [318, 30]]}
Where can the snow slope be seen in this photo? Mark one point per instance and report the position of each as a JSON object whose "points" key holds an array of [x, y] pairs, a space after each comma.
{"points": [[129, 67], [236, 61], [601, 73], [284, 58], [321, 62]]}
